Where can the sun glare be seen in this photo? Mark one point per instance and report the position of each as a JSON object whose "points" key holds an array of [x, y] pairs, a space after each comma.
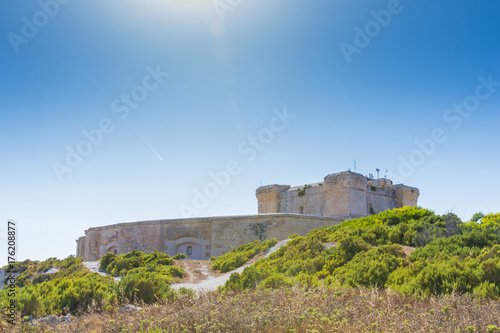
{"points": [[183, 4]]}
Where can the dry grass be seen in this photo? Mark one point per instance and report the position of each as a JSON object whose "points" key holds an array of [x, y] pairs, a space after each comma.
{"points": [[296, 310]]}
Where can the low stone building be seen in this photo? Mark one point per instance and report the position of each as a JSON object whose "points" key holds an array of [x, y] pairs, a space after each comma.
{"points": [[283, 210]]}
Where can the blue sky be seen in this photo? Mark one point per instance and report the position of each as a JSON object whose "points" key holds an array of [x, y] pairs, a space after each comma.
{"points": [[284, 91]]}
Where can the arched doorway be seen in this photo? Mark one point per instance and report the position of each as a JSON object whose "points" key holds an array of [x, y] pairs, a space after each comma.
{"points": [[113, 249], [111, 246], [190, 249]]}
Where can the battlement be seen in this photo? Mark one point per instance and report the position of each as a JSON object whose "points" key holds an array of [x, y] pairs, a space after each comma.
{"points": [[342, 195]]}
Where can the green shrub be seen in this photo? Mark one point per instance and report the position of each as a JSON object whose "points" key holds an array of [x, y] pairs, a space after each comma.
{"points": [[73, 289], [74, 294], [371, 268], [487, 290], [124, 263], [276, 280], [107, 259], [239, 256], [146, 287], [179, 256]]}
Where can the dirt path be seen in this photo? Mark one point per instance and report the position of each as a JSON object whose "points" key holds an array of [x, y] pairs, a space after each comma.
{"points": [[196, 270]]}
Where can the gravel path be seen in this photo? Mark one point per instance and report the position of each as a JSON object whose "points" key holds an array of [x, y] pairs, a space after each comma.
{"points": [[94, 266], [212, 283]]}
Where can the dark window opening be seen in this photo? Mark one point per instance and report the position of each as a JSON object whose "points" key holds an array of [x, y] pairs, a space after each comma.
{"points": [[189, 250], [116, 252], [301, 209]]}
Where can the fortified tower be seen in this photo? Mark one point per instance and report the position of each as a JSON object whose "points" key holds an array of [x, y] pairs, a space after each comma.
{"points": [[345, 195], [406, 195], [269, 197], [342, 195]]}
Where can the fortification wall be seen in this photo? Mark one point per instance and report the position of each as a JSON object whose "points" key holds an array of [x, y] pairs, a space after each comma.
{"points": [[308, 200], [380, 199], [228, 234], [211, 236]]}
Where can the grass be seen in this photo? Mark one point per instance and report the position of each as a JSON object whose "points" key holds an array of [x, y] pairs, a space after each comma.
{"points": [[295, 310]]}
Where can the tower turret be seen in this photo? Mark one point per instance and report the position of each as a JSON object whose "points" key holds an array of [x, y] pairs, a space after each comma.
{"points": [[268, 198], [406, 195], [345, 195]]}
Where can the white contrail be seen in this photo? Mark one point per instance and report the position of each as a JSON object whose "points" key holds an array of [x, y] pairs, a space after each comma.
{"points": [[143, 138], [128, 122], [102, 90]]}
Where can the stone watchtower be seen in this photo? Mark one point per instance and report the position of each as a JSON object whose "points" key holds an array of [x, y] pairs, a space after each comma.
{"points": [[343, 195]]}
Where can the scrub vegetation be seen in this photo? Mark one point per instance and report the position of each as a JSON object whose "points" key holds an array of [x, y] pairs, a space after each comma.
{"points": [[405, 270]]}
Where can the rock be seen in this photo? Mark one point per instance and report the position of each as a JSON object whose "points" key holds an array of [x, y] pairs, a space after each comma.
{"points": [[66, 319], [130, 308], [49, 320], [28, 318], [53, 320]]}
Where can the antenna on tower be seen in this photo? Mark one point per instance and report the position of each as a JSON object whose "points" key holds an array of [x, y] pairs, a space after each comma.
{"points": [[378, 173], [354, 165]]}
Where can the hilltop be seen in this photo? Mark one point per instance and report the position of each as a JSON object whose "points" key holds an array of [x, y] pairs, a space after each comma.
{"points": [[408, 266]]}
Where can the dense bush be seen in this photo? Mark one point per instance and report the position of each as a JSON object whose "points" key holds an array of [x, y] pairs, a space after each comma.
{"points": [[65, 294], [33, 272], [146, 287], [154, 262], [372, 267], [107, 259], [451, 256], [179, 256], [73, 289], [239, 256]]}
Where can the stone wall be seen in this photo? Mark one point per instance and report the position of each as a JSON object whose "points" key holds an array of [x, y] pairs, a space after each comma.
{"points": [[295, 200], [229, 233], [206, 237]]}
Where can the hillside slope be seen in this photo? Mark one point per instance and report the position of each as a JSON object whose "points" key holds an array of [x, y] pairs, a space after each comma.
{"points": [[450, 256]]}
